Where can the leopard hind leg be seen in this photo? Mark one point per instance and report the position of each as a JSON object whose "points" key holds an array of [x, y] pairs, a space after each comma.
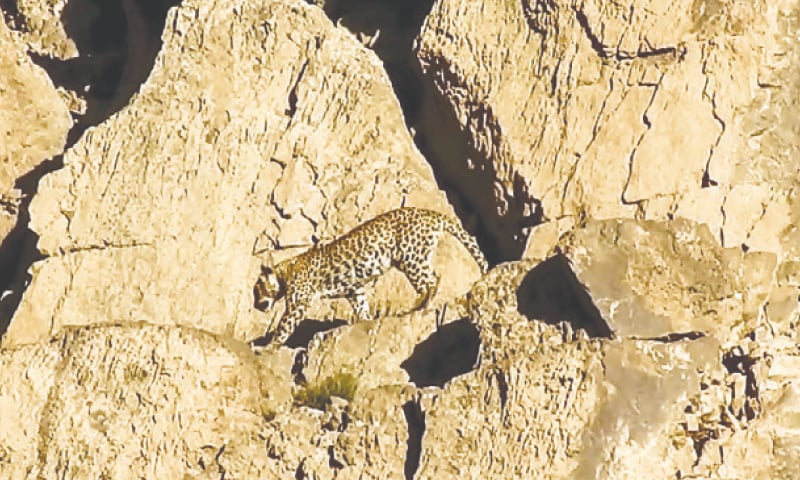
{"points": [[425, 282]]}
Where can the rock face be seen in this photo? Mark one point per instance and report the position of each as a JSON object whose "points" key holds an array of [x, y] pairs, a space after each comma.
{"points": [[640, 158], [30, 135], [651, 279], [625, 110], [37, 132], [211, 167], [68, 396]]}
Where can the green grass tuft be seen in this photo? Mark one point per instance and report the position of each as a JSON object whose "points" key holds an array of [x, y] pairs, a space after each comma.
{"points": [[341, 384]]}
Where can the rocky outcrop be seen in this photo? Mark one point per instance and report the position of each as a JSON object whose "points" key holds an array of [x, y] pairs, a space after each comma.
{"points": [[551, 400], [601, 109], [640, 158], [292, 137], [34, 122], [112, 400], [36, 132], [523, 396], [652, 279], [44, 32]]}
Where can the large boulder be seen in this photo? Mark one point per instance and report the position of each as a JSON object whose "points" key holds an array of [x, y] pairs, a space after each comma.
{"points": [[116, 400], [627, 109], [261, 127]]}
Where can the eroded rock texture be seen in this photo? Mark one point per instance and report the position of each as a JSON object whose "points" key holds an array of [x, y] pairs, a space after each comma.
{"points": [[261, 127], [640, 157], [34, 122], [624, 109], [114, 400]]}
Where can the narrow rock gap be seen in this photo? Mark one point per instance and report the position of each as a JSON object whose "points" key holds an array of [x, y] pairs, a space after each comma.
{"points": [[18, 249], [305, 331], [499, 214], [118, 42], [500, 222], [333, 463], [670, 337], [298, 367], [415, 418]]}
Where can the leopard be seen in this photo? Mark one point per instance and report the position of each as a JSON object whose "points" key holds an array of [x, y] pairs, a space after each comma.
{"points": [[404, 238]]}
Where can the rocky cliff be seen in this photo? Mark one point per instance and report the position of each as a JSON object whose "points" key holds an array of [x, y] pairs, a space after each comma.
{"points": [[629, 169]]}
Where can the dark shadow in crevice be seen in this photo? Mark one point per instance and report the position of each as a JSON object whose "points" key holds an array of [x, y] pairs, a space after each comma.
{"points": [[306, 330], [303, 333], [332, 461], [672, 337], [501, 213], [450, 351], [739, 362], [551, 293], [298, 473], [118, 41], [18, 249], [466, 175], [398, 23], [415, 418]]}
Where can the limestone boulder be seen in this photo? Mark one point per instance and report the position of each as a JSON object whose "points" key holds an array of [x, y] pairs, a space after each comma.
{"points": [[33, 118], [549, 401], [652, 279], [163, 400], [134, 400], [44, 31], [261, 128], [621, 110]]}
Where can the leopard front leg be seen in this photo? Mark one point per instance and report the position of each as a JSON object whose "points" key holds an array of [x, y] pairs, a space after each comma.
{"points": [[295, 313], [358, 300]]}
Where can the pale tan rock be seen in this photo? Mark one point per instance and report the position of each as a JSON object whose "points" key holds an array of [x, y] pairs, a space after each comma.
{"points": [[257, 124], [783, 307], [376, 444], [546, 403], [694, 206], [670, 161], [649, 279], [145, 400], [749, 428], [365, 438], [601, 109], [44, 30], [545, 236], [34, 121]]}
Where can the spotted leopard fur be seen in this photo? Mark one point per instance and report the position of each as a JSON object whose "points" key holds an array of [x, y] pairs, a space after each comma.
{"points": [[404, 238]]}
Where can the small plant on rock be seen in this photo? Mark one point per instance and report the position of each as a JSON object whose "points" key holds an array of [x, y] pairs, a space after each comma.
{"points": [[317, 395]]}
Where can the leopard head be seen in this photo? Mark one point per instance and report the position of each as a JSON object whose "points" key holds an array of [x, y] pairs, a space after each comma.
{"points": [[268, 289]]}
